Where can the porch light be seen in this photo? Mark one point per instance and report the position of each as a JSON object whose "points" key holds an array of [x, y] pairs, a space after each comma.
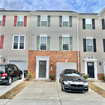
{"points": [[66, 60], [51, 64]]}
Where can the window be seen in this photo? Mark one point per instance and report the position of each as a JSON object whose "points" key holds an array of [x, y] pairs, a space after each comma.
{"points": [[19, 42], [20, 21], [43, 42], [15, 68], [1, 17], [88, 23], [43, 20], [65, 21], [65, 40], [89, 45]]}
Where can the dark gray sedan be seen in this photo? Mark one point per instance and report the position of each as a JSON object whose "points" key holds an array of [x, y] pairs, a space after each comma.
{"points": [[72, 80]]}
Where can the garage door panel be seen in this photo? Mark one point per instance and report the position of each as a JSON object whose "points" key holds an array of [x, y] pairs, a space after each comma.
{"points": [[65, 65]]}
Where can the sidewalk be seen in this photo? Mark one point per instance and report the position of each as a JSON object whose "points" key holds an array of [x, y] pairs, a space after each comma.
{"points": [[100, 84]]}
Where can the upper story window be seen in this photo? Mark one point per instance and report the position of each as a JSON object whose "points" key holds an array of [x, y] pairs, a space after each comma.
{"points": [[1, 18], [20, 21], [103, 23], [65, 21], [18, 42], [43, 21], [65, 43], [43, 42], [65, 40], [88, 23], [89, 44]]}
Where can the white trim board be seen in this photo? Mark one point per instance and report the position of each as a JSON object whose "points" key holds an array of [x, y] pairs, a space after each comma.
{"points": [[42, 58], [91, 59]]}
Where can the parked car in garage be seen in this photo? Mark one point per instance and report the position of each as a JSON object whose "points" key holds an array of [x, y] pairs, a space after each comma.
{"points": [[9, 73], [72, 80]]}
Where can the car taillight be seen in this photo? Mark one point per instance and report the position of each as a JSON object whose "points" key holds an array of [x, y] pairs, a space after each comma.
{"points": [[4, 74]]}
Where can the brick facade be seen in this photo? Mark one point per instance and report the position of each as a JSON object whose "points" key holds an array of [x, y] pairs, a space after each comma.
{"points": [[55, 56], [100, 76]]}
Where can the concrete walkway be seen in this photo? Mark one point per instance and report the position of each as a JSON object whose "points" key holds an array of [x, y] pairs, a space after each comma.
{"points": [[100, 84], [49, 93]]}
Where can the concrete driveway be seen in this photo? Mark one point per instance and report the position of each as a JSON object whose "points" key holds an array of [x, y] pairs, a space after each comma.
{"points": [[4, 88], [49, 93]]}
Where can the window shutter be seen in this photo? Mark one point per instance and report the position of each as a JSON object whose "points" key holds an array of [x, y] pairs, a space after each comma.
{"points": [[60, 21], [4, 18], [94, 44], [93, 23], [83, 21], [48, 43], [104, 44], [25, 21], [84, 45], [70, 21], [38, 42], [60, 43], [103, 26], [1, 41], [71, 44], [48, 21], [15, 21], [38, 22]]}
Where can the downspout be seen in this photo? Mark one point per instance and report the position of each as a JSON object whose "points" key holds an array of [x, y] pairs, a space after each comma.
{"points": [[78, 43]]}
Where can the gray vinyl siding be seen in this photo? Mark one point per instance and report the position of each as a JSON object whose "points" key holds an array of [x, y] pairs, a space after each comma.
{"points": [[54, 31]]}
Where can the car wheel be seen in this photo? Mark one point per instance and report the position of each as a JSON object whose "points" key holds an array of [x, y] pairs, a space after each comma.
{"points": [[20, 76], [62, 87], [9, 81]]}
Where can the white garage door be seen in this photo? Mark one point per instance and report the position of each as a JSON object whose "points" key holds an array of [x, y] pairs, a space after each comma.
{"points": [[64, 65], [21, 65]]}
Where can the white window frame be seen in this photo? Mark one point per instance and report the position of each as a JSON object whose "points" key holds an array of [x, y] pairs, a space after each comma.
{"points": [[20, 21], [65, 43], [86, 24], [88, 45], [44, 43], [19, 41], [1, 20], [65, 21], [41, 21]]}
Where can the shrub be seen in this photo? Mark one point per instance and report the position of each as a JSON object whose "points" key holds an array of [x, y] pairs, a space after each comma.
{"points": [[86, 76], [103, 77], [52, 77], [29, 76]]}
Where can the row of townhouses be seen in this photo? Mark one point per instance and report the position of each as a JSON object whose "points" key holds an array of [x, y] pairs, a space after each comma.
{"points": [[45, 42]]}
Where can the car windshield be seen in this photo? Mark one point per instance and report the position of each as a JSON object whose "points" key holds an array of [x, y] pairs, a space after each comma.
{"points": [[72, 73], [2, 68]]}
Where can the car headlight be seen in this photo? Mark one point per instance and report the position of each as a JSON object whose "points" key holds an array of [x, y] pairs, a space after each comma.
{"points": [[86, 83], [66, 83]]}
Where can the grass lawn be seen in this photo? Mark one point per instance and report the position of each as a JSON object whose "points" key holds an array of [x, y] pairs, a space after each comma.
{"points": [[97, 89], [14, 91]]}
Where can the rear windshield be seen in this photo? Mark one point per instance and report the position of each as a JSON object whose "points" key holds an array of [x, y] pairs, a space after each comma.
{"points": [[72, 73], [2, 68]]}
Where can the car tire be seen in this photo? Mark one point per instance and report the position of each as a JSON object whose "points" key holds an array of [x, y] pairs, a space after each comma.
{"points": [[62, 87], [20, 76], [9, 82]]}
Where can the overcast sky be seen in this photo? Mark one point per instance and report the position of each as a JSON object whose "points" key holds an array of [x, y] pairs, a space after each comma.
{"points": [[90, 6]]}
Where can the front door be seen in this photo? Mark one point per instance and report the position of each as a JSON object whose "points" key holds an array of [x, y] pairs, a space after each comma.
{"points": [[42, 69], [90, 68]]}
